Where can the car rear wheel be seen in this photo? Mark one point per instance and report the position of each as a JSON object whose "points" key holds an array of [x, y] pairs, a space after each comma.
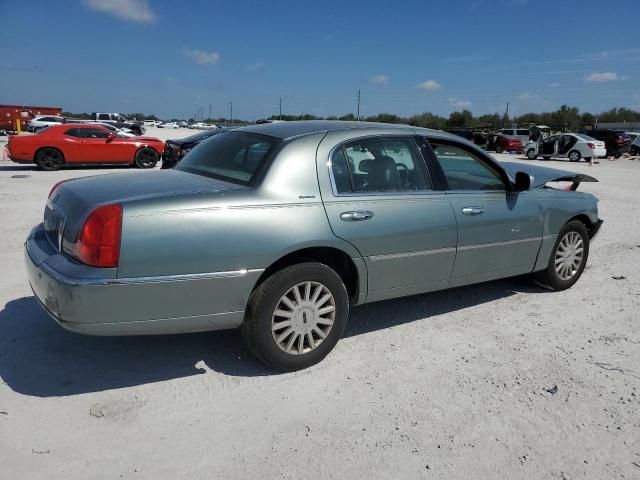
{"points": [[146, 158], [574, 156], [568, 257], [49, 159], [531, 154], [296, 316]]}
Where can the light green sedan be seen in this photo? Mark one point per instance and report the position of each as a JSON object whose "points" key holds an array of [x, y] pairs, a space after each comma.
{"points": [[281, 228]]}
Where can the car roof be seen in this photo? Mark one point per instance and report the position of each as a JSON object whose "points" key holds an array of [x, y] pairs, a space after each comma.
{"points": [[288, 130]]}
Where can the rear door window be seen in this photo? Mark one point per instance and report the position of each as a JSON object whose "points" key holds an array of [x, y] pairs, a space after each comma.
{"points": [[379, 165]]}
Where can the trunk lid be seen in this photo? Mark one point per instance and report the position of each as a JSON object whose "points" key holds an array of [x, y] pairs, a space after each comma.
{"points": [[72, 201]]}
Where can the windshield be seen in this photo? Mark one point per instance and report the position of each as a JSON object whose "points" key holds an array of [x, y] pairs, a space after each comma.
{"points": [[232, 156]]}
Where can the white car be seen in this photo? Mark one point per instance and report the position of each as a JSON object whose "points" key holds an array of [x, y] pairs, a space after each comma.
{"points": [[43, 121], [121, 132], [151, 123], [573, 146], [170, 125]]}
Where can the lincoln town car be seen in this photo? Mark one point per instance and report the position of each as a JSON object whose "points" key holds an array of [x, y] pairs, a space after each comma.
{"points": [[280, 229]]}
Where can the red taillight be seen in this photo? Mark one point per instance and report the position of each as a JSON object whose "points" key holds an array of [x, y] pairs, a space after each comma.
{"points": [[591, 145], [53, 189], [619, 139], [99, 240]]}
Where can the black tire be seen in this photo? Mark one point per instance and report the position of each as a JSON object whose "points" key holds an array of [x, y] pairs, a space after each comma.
{"points": [[49, 159], [546, 157], [574, 156], [257, 326], [550, 277], [146, 157], [531, 154], [498, 148], [634, 151]]}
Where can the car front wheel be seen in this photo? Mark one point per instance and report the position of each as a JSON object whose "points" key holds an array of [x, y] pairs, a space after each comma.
{"points": [[531, 154], [296, 316], [568, 257]]}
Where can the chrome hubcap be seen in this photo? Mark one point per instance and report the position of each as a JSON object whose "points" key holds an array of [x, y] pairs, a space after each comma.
{"points": [[569, 255], [303, 318]]}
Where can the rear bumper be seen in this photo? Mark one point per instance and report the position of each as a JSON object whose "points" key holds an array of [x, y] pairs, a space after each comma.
{"points": [[137, 306]]}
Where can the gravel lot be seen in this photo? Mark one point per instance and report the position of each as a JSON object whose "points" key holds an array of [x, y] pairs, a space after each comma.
{"points": [[455, 384]]}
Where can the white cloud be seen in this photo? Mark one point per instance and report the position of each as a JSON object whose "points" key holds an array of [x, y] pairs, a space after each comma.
{"points": [[430, 85], [457, 103], [602, 77], [201, 57], [379, 79], [554, 85], [130, 10], [255, 67]]}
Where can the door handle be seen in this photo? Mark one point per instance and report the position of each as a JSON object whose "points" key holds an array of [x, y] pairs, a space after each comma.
{"points": [[356, 215], [473, 211]]}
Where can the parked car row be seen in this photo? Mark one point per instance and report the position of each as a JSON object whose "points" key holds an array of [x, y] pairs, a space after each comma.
{"points": [[106, 119]]}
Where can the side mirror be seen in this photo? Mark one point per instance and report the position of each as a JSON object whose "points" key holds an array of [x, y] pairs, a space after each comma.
{"points": [[524, 182], [113, 135]]}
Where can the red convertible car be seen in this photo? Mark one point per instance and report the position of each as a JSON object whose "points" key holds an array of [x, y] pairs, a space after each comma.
{"points": [[77, 144]]}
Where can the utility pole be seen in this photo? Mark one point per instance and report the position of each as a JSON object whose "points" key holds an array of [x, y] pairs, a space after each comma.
{"points": [[506, 115], [358, 109], [209, 113], [231, 109], [280, 108]]}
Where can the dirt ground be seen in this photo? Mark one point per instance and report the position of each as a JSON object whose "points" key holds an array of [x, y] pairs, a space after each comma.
{"points": [[498, 380]]}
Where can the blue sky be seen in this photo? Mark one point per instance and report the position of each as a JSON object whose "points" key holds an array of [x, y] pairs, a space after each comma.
{"points": [[173, 57]]}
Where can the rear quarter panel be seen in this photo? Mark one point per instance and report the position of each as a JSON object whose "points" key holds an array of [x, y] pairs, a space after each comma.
{"points": [[234, 230]]}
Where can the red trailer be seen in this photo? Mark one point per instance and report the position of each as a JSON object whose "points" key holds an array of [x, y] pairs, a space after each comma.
{"points": [[10, 113]]}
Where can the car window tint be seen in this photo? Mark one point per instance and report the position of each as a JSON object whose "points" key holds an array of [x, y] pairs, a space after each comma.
{"points": [[231, 156], [464, 171], [73, 132], [522, 132], [93, 133], [340, 171], [103, 116], [380, 165]]}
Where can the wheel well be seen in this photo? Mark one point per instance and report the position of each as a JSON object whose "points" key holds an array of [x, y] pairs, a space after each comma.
{"points": [[333, 258], [586, 221], [35, 155]]}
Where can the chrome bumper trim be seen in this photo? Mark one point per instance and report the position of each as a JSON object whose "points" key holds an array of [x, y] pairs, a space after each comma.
{"points": [[79, 282]]}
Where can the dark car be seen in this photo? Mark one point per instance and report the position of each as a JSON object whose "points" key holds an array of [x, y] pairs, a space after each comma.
{"points": [[461, 132], [616, 143], [174, 150]]}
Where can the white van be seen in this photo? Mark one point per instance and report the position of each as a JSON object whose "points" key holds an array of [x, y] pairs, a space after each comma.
{"points": [[521, 133]]}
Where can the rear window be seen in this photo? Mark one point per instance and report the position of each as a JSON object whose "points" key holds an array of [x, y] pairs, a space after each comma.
{"points": [[522, 131], [235, 157]]}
